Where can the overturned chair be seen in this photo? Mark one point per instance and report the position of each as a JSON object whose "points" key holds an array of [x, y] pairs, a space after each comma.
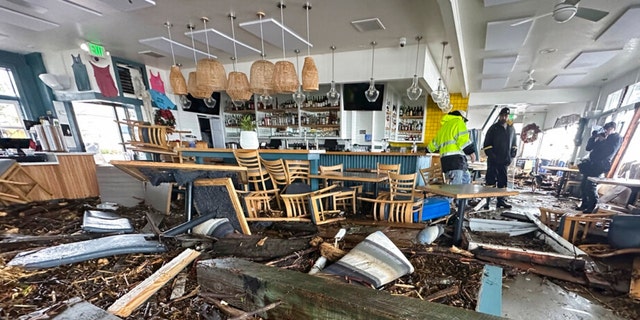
{"points": [[18, 186]]}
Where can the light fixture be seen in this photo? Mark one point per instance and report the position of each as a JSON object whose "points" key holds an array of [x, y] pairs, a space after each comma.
{"points": [[84, 47], [178, 84], [298, 96], [285, 78], [210, 73], [372, 93], [439, 94], [197, 91], [333, 95], [261, 75], [414, 92], [83, 8], [445, 100], [238, 88], [310, 81]]}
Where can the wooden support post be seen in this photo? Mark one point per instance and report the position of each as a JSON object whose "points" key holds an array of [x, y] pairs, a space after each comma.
{"points": [[253, 286], [126, 304]]}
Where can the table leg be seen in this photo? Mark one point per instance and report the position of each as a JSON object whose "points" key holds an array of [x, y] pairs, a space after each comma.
{"points": [[633, 196], [561, 184], [188, 201], [375, 191], [457, 232], [314, 170]]}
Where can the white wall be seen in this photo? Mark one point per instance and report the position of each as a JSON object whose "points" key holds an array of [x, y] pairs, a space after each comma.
{"points": [[556, 111]]}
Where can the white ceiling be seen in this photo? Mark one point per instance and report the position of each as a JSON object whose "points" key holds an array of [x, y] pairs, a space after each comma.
{"points": [[579, 41]]}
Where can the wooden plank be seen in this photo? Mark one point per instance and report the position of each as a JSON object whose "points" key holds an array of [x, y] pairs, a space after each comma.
{"points": [[466, 191], [77, 174], [126, 304], [250, 286], [634, 288], [258, 248], [490, 295]]}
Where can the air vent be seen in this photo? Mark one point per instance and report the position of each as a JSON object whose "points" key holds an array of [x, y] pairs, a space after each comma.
{"points": [[152, 54], [125, 79], [368, 24]]}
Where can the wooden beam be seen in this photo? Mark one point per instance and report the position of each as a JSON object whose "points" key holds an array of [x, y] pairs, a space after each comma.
{"points": [[626, 140], [126, 304], [253, 286], [258, 248]]}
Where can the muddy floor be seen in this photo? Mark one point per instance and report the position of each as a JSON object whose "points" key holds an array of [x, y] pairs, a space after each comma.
{"points": [[440, 276]]}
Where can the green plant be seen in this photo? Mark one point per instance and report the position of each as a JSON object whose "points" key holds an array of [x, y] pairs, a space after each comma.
{"points": [[247, 123]]}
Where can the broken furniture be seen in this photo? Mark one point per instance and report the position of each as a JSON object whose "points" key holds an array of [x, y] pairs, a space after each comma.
{"points": [[621, 233], [298, 170], [551, 217], [347, 196], [633, 184], [16, 184], [564, 178], [149, 138], [462, 192], [433, 174], [401, 203], [105, 222], [363, 177]]}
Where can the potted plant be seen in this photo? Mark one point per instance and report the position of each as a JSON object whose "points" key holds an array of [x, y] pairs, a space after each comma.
{"points": [[248, 134]]}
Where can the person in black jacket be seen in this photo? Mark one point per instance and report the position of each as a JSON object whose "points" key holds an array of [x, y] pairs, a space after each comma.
{"points": [[500, 147], [602, 146]]}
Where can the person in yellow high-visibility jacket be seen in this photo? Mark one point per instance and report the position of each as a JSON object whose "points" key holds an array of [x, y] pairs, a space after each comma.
{"points": [[453, 143]]}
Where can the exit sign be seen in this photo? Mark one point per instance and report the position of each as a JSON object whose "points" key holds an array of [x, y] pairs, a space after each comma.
{"points": [[96, 50]]}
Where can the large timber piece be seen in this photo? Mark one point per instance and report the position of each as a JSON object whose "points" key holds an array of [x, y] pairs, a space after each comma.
{"points": [[252, 286]]}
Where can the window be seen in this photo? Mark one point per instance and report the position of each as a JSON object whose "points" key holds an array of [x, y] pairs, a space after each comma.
{"points": [[11, 125], [613, 100], [632, 95]]}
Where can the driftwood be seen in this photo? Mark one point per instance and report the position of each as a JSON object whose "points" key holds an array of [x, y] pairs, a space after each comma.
{"points": [[402, 238], [450, 291], [225, 308], [258, 248], [253, 286], [134, 298], [532, 257]]}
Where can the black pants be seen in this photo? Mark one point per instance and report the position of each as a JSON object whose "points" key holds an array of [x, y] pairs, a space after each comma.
{"points": [[496, 174], [589, 193]]}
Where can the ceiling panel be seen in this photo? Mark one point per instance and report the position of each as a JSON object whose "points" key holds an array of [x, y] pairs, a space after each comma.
{"points": [[26, 21], [223, 42], [489, 3], [502, 36], [624, 28], [493, 84], [272, 31], [164, 45], [502, 65], [564, 80], [592, 59], [129, 5]]}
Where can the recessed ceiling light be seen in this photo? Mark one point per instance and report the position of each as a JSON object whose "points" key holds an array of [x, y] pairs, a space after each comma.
{"points": [[548, 50]]}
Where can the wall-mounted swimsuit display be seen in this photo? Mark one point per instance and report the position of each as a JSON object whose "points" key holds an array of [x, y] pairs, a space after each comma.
{"points": [[80, 74], [156, 82], [105, 81]]}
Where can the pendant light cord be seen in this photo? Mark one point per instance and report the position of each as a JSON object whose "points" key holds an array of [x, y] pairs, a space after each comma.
{"points": [[193, 44], [206, 36], [307, 8], [260, 14], [373, 56], [168, 24], [233, 35], [333, 65], [415, 74], [284, 56]]}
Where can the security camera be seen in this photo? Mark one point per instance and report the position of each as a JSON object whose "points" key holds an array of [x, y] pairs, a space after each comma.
{"points": [[403, 42]]}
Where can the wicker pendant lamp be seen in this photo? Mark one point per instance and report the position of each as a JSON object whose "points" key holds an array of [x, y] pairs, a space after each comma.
{"points": [[261, 81], [310, 81], [238, 87], [285, 79], [178, 84], [196, 91], [210, 72]]}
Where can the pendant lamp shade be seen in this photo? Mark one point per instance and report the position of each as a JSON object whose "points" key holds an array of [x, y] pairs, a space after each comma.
{"points": [[285, 79], [178, 83], [261, 75], [310, 81], [211, 75], [239, 89], [196, 91]]}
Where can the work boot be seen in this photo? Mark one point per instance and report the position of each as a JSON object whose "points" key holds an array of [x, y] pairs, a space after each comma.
{"points": [[503, 204], [486, 205]]}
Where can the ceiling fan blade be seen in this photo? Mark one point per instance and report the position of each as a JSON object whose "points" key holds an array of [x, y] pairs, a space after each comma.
{"points": [[531, 19], [572, 2], [591, 14]]}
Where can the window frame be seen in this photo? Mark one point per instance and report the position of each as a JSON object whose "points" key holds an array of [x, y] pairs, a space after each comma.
{"points": [[16, 98]]}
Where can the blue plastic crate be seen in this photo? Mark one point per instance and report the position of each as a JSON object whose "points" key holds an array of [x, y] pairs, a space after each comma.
{"points": [[433, 208]]}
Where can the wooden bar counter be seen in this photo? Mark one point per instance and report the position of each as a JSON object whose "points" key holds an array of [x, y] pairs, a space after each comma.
{"points": [[68, 176]]}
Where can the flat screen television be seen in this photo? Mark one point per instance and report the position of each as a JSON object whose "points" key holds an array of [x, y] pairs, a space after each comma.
{"points": [[9, 143], [198, 106], [354, 99]]}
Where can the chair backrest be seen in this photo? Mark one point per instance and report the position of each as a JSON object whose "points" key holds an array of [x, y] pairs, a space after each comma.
{"points": [[256, 174], [402, 186], [551, 217], [298, 170], [433, 174], [334, 168], [277, 171], [388, 168]]}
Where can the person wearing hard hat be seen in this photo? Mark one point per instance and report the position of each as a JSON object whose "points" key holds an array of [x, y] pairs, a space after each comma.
{"points": [[501, 147], [453, 143]]}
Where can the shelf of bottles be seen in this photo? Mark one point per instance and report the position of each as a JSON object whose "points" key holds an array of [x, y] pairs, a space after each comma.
{"points": [[410, 124], [233, 114], [318, 113]]}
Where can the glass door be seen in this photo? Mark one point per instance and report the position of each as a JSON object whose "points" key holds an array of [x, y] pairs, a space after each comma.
{"points": [[102, 130]]}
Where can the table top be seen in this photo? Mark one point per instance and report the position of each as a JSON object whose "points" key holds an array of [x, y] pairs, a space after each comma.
{"points": [[133, 167], [352, 176], [466, 191], [554, 168], [634, 183]]}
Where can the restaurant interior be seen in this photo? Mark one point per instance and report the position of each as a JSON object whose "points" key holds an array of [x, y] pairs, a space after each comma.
{"points": [[252, 159]]}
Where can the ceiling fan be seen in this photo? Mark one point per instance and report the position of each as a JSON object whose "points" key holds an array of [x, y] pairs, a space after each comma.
{"points": [[528, 83], [566, 10]]}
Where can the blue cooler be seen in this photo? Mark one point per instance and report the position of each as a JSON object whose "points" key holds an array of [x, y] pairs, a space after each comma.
{"points": [[433, 208]]}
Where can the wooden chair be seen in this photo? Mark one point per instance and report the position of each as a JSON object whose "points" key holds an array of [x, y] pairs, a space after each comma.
{"points": [[578, 226], [402, 211], [386, 168], [150, 138], [346, 196], [277, 171], [401, 186], [298, 170], [297, 204], [17, 185], [551, 217], [324, 208], [258, 179], [433, 174]]}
